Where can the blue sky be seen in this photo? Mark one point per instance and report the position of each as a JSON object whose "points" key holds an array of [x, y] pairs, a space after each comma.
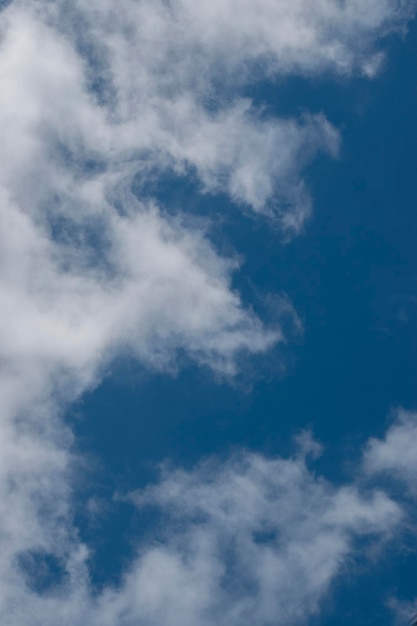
{"points": [[209, 342]]}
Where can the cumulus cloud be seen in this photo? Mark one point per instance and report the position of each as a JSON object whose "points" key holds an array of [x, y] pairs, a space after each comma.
{"points": [[395, 455], [146, 86], [94, 96], [394, 458], [251, 539], [264, 537]]}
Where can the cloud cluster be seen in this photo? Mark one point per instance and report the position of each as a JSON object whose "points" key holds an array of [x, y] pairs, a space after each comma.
{"points": [[96, 95], [251, 539], [262, 538]]}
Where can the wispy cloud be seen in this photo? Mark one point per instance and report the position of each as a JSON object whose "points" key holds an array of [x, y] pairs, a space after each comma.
{"points": [[249, 539], [257, 540], [395, 454], [393, 459], [94, 95]]}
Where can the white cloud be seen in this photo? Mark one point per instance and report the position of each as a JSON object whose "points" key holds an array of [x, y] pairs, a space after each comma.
{"points": [[249, 539], [163, 70], [94, 95], [396, 455], [265, 536]]}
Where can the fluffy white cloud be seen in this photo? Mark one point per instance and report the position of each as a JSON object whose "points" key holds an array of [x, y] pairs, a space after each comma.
{"points": [[154, 85], [249, 539], [394, 458], [396, 455], [93, 96], [263, 539]]}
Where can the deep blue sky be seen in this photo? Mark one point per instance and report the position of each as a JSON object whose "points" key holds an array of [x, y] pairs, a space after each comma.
{"points": [[352, 277]]}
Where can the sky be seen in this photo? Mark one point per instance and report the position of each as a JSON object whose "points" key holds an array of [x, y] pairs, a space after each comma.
{"points": [[208, 287]]}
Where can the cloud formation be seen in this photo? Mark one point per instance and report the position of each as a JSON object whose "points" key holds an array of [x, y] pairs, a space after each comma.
{"points": [[249, 539], [94, 96], [263, 539], [395, 455]]}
